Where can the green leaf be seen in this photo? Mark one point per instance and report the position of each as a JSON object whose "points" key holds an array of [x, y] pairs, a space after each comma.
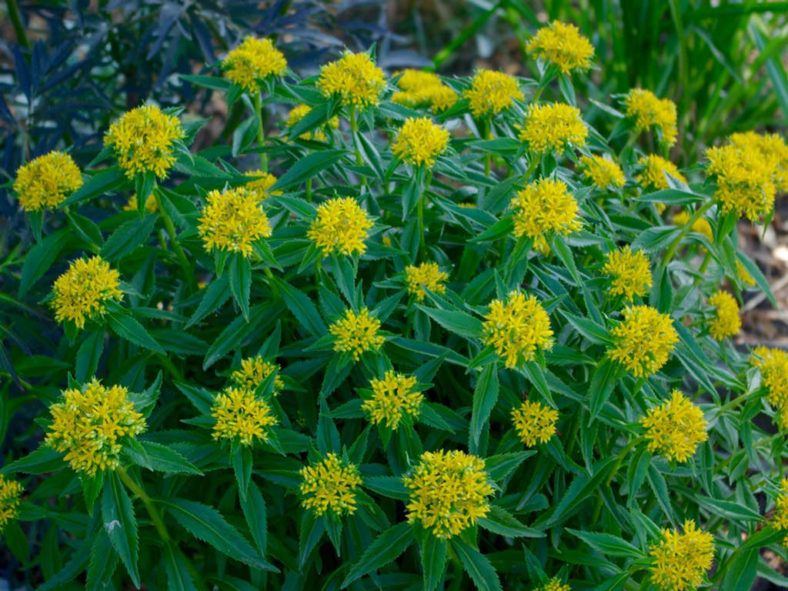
{"points": [[307, 167], [255, 513], [88, 355], [741, 570], [127, 327], [213, 297], [500, 521], [485, 395], [602, 382], [608, 544], [117, 514], [177, 569], [158, 457], [103, 561], [207, 81], [241, 460], [500, 466], [596, 333], [41, 461], [39, 259], [127, 237], [387, 486], [100, 183], [455, 321], [736, 512], [16, 540], [477, 566], [386, 548], [302, 308], [240, 273], [433, 560]]}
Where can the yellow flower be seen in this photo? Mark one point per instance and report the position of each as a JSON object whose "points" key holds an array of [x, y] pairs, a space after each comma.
{"points": [[772, 150], [82, 292], [726, 322], [679, 561], [562, 45], [643, 340], [744, 275], [45, 182], [630, 272], [420, 141], [424, 89], [442, 98], [254, 370], [425, 276], [150, 204], [654, 170], [341, 225], [602, 171], [675, 428], [91, 425], [773, 365], [701, 225], [330, 485], [553, 128], [394, 398], [492, 92], [648, 111], [10, 491], [233, 220], [517, 328], [253, 61], [448, 492], [534, 422], [354, 78], [745, 180], [143, 140], [356, 333], [301, 111], [262, 185], [240, 414], [544, 207], [554, 584], [780, 520]]}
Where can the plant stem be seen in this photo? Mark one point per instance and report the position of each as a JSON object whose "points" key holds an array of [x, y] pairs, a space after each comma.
{"points": [[354, 129], [258, 104], [309, 190], [420, 213], [684, 231], [487, 132], [532, 166], [16, 20], [274, 289], [135, 488], [186, 266]]}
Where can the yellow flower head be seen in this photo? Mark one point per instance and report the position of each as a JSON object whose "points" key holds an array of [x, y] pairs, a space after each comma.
{"points": [[45, 182], [341, 225], [650, 111], [772, 150], [701, 225], [301, 111], [150, 204], [262, 185], [654, 170], [356, 333], [773, 365], [442, 98], [517, 328], [393, 399], [675, 428], [679, 561], [330, 485], [91, 425], [143, 140], [562, 45], [254, 370], [554, 584], [354, 78], [424, 89], [544, 207], [253, 61], [602, 171], [643, 340], [534, 422], [745, 180], [744, 275], [239, 414], [10, 493], [630, 272], [448, 492], [492, 92], [233, 220], [780, 520], [419, 141], [425, 276], [553, 128], [82, 292], [726, 322]]}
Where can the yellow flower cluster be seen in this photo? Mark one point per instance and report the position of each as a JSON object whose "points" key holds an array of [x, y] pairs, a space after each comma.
{"points": [[240, 414], [679, 561], [424, 89], [650, 111], [354, 78], [516, 328], [356, 333], [45, 182], [643, 340], [726, 321], [675, 428], [91, 424], [701, 225], [563, 45], [554, 584], [262, 184], [425, 276], [771, 148], [602, 171], [448, 492], [82, 292], [780, 520], [233, 220], [553, 128], [143, 140], [534, 422], [419, 141], [492, 92], [340, 225], [544, 207], [743, 274], [10, 493], [630, 272], [393, 398], [773, 365], [150, 204], [301, 111], [253, 61], [254, 370], [330, 485], [654, 170]]}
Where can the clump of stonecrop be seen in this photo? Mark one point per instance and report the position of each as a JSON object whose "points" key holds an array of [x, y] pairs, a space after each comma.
{"points": [[438, 331]]}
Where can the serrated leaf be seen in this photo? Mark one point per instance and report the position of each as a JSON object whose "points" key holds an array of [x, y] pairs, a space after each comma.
{"points": [[477, 566], [386, 548], [120, 525]]}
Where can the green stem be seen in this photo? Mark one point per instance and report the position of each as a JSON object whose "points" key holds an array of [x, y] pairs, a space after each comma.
{"points": [[684, 231], [136, 489], [420, 213], [16, 20], [538, 93], [487, 132], [258, 105], [630, 142], [274, 289], [309, 190], [186, 266], [532, 166], [354, 129]]}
